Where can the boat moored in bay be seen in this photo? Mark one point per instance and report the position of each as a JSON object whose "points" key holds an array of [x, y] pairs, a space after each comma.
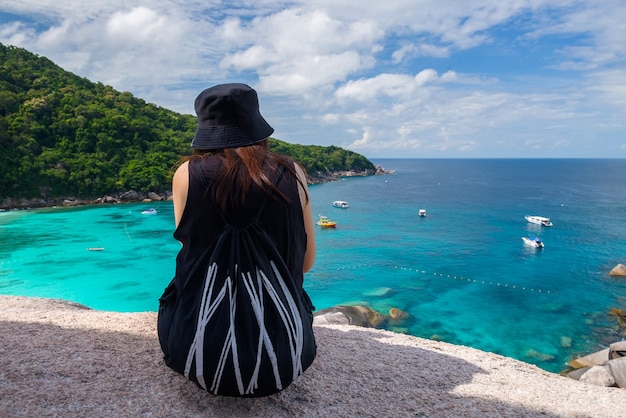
{"points": [[533, 242], [341, 204], [539, 220], [326, 223]]}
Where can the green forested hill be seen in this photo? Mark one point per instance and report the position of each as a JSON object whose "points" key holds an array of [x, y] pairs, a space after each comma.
{"points": [[63, 135]]}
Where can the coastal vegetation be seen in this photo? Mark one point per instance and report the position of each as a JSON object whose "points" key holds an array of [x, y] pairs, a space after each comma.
{"points": [[62, 135]]}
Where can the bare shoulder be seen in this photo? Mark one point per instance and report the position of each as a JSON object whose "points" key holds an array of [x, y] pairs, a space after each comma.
{"points": [[180, 185], [183, 169], [181, 175], [300, 172]]}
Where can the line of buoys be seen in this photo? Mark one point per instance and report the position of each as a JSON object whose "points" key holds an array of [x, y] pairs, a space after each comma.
{"points": [[484, 282], [459, 278], [490, 283], [354, 267]]}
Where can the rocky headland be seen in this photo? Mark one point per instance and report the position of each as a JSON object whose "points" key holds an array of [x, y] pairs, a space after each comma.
{"points": [[132, 196], [324, 177]]}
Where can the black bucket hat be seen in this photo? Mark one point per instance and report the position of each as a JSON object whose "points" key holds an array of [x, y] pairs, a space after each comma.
{"points": [[229, 117]]}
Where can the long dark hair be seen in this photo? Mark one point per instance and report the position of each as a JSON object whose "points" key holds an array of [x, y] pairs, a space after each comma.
{"points": [[241, 168]]}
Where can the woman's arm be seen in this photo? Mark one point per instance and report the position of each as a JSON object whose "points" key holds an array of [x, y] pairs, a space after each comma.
{"points": [[180, 187], [309, 255]]}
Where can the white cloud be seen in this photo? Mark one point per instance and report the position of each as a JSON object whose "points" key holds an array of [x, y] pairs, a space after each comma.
{"points": [[295, 51], [330, 119], [139, 24], [405, 76], [308, 73], [398, 86], [16, 33], [421, 50], [370, 89]]}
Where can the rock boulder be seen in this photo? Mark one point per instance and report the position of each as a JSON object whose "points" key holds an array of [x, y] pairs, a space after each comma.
{"points": [[618, 270], [598, 376], [361, 316]]}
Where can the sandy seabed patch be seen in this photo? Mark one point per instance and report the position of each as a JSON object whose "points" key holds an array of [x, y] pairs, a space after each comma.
{"points": [[61, 359]]}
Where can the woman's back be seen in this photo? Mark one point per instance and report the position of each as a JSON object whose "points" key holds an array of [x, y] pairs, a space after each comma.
{"points": [[201, 223]]}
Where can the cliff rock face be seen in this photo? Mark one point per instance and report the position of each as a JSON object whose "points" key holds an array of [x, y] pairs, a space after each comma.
{"points": [[63, 359], [129, 196]]}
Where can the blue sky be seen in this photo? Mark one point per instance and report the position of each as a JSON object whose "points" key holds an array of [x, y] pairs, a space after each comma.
{"points": [[393, 78]]}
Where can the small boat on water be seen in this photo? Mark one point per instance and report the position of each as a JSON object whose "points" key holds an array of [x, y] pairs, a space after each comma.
{"points": [[539, 220], [326, 223], [422, 212], [150, 211], [341, 204], [533, 242]]}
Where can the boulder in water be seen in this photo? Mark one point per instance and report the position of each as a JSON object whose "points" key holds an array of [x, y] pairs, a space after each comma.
{"points": [[532, 353], [397, 314], [618, 270], [361, 316], [590, 360], [621, 316], [331, 318], [379, 292], [566, 342]]}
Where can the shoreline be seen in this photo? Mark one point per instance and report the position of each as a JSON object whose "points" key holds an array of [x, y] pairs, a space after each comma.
{"points": [[132, 196], [60, 359]]}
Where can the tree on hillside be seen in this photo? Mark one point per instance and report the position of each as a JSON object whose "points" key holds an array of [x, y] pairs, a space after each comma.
{"points": [[62, 135]]}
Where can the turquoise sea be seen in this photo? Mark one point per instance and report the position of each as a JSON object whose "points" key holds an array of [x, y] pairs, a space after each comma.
{"points": [[462, 273]]}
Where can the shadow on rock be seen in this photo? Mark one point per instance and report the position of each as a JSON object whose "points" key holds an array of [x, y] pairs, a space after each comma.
{"points": [[50, 370]]}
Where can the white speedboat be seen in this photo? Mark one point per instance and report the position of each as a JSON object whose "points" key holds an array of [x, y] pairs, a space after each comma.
{"points": [[150, 211], [533, 242], [422, 212], [539, 220], [341, 204]]}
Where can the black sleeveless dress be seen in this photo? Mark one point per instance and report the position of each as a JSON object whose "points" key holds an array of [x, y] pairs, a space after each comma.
{"points": [[200, 223], [262, 332]]}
